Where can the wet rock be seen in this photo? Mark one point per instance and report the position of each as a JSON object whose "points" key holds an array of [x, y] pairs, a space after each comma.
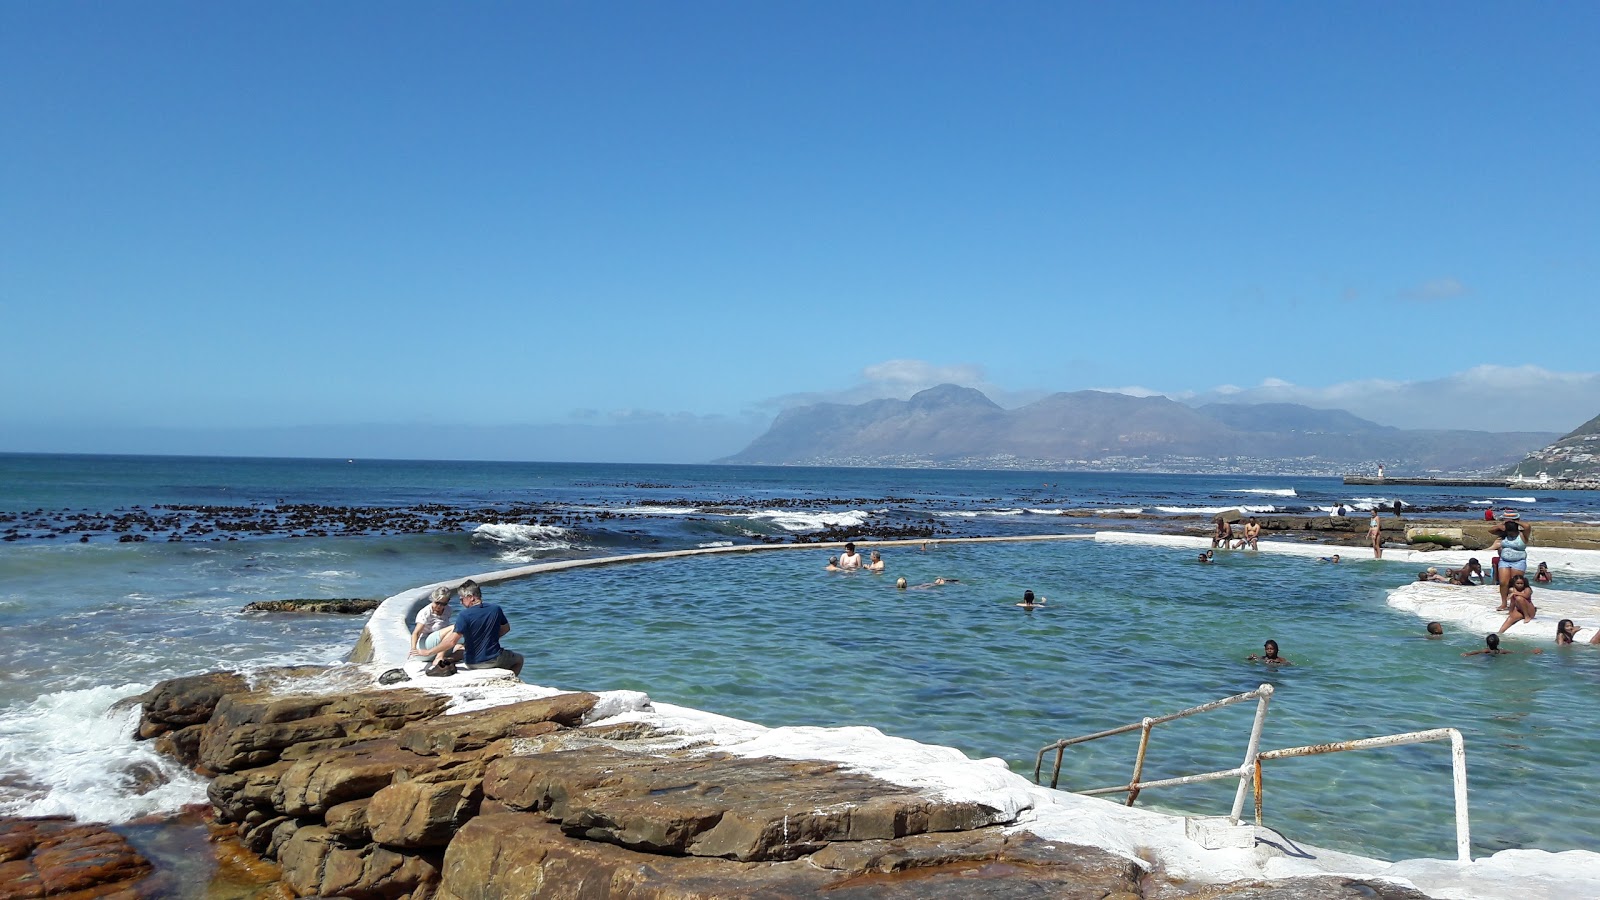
{"points": [[180, 702], [342, 606], [57, 857], [719, 805], [475, 730]]}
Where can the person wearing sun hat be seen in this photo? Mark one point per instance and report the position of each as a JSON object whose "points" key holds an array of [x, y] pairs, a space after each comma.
{"points": [[1514, 536]]}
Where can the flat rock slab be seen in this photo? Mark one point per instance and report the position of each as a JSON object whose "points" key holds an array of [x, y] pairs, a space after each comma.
{"points": [[57, 857], [719, 805]]}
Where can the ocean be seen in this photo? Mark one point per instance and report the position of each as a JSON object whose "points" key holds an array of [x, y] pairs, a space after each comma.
{"points": [[117, 572]]}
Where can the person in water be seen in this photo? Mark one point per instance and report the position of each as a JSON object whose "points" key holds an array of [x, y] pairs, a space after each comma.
{"points": [[1466, 574], [1493, 648], [1269, 655], [1543, 575], [1208, 556], [1435, 630], [900, 583], [1329, 559], [877, 563], [1512, 545], [941, 581], [1028, 601], [1566, 630], [1521, 599], [833, 564], [851, 560], [1430, 574]]}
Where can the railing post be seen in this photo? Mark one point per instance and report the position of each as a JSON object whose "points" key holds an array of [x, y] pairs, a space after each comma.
{"points": [[1458, 773], [1250, 753], [1055, 774], [1258, 790], [1138, 762]]}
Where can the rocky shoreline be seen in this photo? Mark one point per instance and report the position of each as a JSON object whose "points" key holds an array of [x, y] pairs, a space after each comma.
{"points": [[382, 794]]}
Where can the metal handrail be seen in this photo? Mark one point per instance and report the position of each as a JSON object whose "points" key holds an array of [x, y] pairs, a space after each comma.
{"points": [[1458, 770], [1250, 770], [1262, 694]]}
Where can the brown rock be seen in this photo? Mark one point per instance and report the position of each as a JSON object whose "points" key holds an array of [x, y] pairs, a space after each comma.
{"points": [[418, 814], [178, 702], [57, 857], [250, 730], [348, 821], [310, 786], [474, 730], [316, 865], [515, 855], [1320, 887], [719, 805]]}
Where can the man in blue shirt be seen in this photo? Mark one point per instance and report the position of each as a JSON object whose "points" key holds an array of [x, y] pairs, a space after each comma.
{"points": [[480, 626]]}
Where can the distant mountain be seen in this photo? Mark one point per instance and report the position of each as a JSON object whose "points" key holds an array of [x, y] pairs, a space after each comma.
{"points": [[961, 427], [1575, 456]]}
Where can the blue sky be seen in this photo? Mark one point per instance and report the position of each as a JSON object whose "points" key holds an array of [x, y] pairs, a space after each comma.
{"points": [[637, 230]]}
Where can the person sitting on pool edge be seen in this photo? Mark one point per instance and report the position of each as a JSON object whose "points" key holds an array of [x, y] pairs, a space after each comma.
{"points": [[1521, 600], [433, 623], [480, 626], [1269, 655]]}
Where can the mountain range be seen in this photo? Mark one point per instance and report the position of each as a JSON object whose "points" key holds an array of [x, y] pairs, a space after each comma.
{"points": [[960, 427]]}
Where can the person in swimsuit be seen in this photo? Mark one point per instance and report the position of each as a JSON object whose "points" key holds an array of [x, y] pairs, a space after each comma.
{"points": [[1223, 535], [1543, 575], [877, 563], [1206, 556], [1566, 630], [1513, 552], [1252, 534], [1028, 601], [833, 564], [851, 560], [1269, 655], [1521, 597], [1329, 559], [1465, 574], [1375, 534]]}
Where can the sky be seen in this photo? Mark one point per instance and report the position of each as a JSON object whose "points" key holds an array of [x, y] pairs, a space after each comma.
{"points": [[637, 231]]}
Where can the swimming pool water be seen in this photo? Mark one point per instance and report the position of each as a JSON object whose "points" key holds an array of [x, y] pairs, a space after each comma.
{"points": [[1127, 632]]}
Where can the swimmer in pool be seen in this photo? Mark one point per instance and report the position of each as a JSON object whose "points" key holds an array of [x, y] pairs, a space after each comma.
{"points": [[900, 583], [1269, 655], [1566, 630], [877, 563], [833, 564], [1435, 630], [1028, 601], [1543, 575], [1493, 648], [1207, 557], [1329, 559], [1466, 574]]}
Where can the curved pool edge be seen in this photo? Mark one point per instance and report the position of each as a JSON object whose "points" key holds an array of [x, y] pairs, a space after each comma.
{"points": [[1134, 833]]}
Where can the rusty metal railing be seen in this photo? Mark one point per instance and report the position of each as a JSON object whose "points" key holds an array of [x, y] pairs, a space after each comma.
{"points": [[1458, 770], [1250, 773], [1262, 695]]}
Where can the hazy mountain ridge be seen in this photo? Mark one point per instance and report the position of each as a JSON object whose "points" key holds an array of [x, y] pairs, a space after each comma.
{"points": [[1574, 456], [956, 426]]}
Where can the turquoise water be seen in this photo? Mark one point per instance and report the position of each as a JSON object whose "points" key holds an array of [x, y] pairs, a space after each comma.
{"points": [[1127, 632]]}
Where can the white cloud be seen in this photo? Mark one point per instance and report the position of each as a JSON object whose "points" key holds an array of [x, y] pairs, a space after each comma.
{"points": [[1483, 398], [1131, 390], [898, 379]]}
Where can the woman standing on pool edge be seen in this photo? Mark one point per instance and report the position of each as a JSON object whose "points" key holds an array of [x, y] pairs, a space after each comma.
{"points": [[1513, 548]]}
